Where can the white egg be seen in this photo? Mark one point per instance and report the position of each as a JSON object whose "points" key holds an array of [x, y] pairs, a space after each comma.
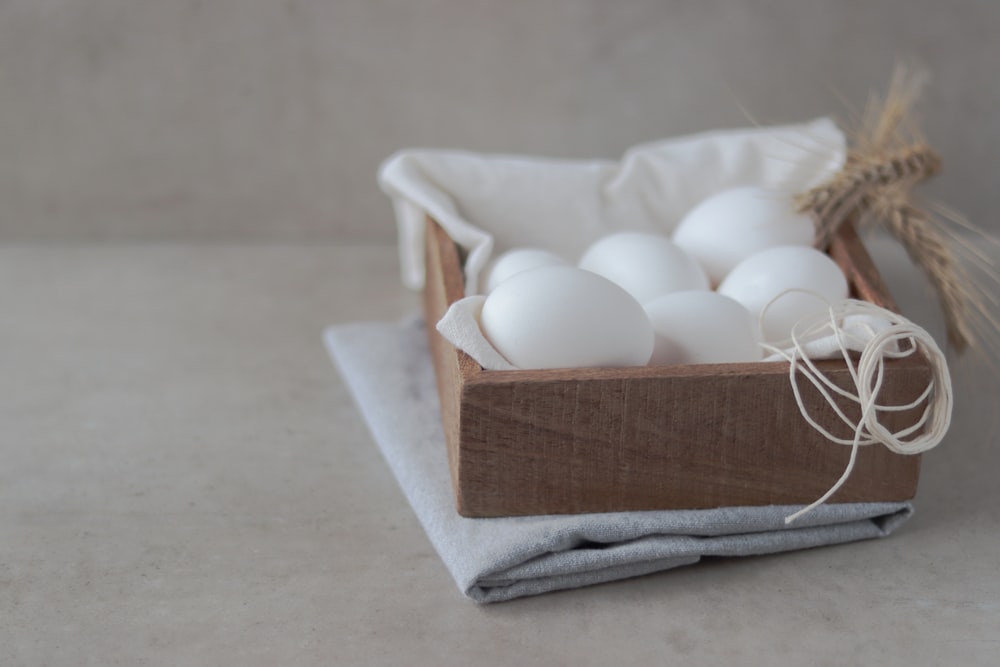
{"points": [[760, 278], [701, 328], [644, 265], [515, 261], [565, 317], [731, 225]]}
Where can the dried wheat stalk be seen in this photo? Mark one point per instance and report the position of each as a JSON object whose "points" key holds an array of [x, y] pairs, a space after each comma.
{"points": [[887, 159]]}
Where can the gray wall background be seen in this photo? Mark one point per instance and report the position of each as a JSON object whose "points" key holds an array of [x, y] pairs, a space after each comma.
{"points": [[264, 120]]}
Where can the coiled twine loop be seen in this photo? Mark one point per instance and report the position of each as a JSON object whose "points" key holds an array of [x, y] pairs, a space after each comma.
{"points": [[878, 335]]}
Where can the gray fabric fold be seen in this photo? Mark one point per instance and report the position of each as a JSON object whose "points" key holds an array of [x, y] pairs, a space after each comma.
{"points": [[388, 369]]}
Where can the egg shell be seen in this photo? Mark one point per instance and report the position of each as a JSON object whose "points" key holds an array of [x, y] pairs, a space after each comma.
{"points": [[760, 278], [565, 317], [701, 328], [726, 228], [645, 265], [515, 261]]}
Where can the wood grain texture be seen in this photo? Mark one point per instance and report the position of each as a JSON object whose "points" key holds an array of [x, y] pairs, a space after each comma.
{"points": [[444, 285], [611, 439]]}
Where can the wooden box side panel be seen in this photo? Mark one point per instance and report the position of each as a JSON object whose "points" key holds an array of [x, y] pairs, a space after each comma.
{"points": [[664, 442]]}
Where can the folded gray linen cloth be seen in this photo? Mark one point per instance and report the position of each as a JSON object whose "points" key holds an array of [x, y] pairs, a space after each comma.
{"points": [[388, 369]]}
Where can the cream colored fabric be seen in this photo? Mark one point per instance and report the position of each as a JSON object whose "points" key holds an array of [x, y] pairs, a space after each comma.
{"points": [[489, 203]]}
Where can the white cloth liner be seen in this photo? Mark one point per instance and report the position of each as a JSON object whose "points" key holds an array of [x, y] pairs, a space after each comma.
{"points": [[460, 327], [489, 203]]}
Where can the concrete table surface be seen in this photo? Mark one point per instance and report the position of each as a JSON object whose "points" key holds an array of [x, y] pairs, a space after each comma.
{"points": [[185, 481]]}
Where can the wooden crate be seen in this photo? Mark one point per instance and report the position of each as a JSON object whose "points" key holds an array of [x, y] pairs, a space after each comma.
{"points": [[677, 437]]}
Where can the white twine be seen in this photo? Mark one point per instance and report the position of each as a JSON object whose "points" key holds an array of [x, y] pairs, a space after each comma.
{"points": [[901, 338]]}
